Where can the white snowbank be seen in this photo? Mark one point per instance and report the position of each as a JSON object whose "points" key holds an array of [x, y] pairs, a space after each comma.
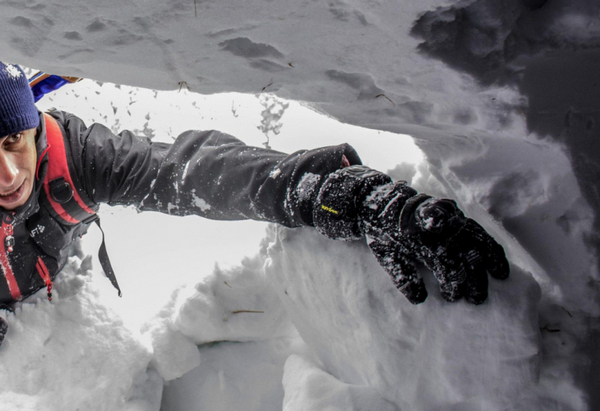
{"points": [[234, 376], [436, 355], [309, 388], [74, 353], [321, 326], [233, 305]]}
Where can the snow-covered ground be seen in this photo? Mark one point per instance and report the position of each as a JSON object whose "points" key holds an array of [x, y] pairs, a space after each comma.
{"points": [[501, 99]]}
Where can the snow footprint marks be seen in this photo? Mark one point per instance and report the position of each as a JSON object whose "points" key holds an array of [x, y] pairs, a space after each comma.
{"points": [[259, 55]]}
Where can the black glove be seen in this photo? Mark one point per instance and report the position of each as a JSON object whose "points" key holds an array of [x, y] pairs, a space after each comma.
{"points": [[3, 323], [402, 226], [3, 329]]}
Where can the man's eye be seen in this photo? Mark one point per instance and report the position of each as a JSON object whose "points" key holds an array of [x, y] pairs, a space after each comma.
{"points": [[14, 138]]}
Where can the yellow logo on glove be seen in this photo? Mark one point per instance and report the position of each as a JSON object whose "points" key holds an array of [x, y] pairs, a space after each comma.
{"points": [[331, 210]]}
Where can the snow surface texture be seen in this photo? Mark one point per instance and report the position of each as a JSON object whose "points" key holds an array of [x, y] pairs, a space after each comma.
{"points": [[502, 96], [426, 357], [74, 353]]}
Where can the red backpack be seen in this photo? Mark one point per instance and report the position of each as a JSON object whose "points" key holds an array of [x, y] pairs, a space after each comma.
{"points": [[66, 204]]}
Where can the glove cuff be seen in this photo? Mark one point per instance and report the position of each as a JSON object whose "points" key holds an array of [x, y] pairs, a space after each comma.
{"points": [[336, 209]]}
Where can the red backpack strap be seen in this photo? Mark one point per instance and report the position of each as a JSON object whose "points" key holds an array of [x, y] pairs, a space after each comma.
{"points": [[45, 274], [62, 198], [61, 191]]}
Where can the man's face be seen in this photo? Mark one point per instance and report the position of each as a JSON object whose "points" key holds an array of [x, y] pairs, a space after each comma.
{"points": [[17, 168]]}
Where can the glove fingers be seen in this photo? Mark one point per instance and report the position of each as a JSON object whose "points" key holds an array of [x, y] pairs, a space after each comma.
{"points": [[476, 284], [401, 268], [451, 291], [470, 282], [496, 262], [450, 273], [3, 329], [461, 271]]}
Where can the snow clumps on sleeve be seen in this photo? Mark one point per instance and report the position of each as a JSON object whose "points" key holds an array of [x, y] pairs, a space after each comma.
{"points": [[307, 186]]}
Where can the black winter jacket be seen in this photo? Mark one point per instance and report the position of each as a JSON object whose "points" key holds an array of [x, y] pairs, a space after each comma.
{"points": [[206, 173]]}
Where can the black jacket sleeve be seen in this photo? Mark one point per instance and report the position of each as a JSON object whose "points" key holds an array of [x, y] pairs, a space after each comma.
{"points": [[206, 173]]}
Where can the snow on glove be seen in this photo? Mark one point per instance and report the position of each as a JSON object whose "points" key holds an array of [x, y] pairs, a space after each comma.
{"points": [[402, 226], [3, 323]]}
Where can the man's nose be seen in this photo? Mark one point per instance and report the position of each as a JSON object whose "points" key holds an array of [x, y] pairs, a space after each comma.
{"points": [[8, 171]]}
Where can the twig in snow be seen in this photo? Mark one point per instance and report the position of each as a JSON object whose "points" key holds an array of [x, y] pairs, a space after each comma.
{"points": [[268, 85], [550, 330], [386, 97], [183, 84], [247, 311]]}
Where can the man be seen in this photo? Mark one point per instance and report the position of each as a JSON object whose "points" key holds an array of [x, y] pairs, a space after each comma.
{"points": [[215, 175]]}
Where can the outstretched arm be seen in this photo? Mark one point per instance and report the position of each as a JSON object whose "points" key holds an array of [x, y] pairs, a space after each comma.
{"points": [[215, 175], [206, 173]]}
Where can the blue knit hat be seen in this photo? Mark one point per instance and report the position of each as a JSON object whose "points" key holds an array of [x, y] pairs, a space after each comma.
{"points": [[17, 109]]}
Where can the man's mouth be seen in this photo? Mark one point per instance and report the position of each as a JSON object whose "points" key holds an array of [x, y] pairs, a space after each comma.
{"points": [[11, 192], [12, 196]]}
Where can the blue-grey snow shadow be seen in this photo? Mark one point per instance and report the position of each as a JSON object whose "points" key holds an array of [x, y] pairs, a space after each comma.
{"points": [[527, 44], [560, 77]]}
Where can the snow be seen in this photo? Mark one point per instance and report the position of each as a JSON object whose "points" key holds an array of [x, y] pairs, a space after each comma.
{"points": [[74, 353], [200, 203], [13, 72], [410, 355], [501, 100], [275, 173], [307, 186], [310, 388]]}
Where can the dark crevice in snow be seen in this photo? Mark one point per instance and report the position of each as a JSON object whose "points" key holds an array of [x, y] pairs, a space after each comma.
{"points": [[525, 44], [563, 89], [520, 43]]}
